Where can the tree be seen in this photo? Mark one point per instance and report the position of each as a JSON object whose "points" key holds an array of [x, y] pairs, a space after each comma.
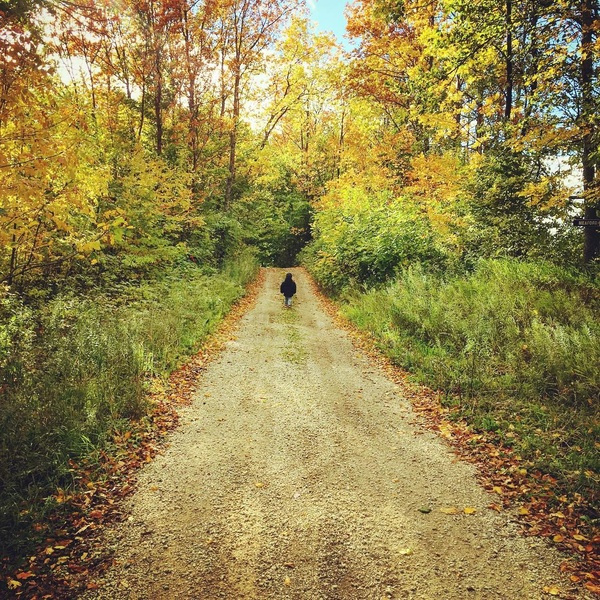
{"points": [[47, 187], [249, 28]]}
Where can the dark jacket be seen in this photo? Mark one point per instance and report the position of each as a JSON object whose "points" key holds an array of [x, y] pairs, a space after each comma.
{"points": [[288, 287]]}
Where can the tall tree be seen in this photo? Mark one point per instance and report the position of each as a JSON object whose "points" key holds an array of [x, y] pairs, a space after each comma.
{"points": [[251, 26]]}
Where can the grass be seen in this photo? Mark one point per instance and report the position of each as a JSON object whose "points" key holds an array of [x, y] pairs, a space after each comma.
{"points": [[77, 370], [294, 352], [514, 346]]}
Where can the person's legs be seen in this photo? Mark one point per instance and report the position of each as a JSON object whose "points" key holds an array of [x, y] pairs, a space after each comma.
{"points": [[288, 301]]}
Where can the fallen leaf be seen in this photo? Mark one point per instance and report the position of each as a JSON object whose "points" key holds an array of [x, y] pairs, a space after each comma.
{"points": [[558, 538], [287, 581], [82, 529], [259, 484], [25, 575], [497, 489], [405, 552], [523, 511], [13, 584], [470, 510], [445, 431], [452, 510], [592, 587], [552, 590], [425, 510]]}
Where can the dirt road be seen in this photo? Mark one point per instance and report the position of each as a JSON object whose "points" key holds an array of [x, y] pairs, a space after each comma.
{"points": [[298, 473]]}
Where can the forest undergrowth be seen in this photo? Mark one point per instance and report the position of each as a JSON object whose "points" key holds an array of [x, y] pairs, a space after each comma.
{"points": [[79, 368]]}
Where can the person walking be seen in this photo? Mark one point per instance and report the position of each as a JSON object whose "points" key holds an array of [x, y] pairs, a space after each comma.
{"points": [[288, 289]]}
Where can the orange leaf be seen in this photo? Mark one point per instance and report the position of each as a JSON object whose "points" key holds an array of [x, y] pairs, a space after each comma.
{"points": [[558, 538], [592, 587], [25, 575]]}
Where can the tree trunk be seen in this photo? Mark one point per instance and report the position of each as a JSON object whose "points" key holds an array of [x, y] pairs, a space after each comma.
{"points": [[13, 258], [158, 105], [223, 88], [592, 235], [509, 62], [142, 109], [341, 144], [233, 140], [479, 122], [191, 72]]}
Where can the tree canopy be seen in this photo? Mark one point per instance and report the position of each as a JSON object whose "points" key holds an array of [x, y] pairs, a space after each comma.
{"points": [[132, 132]]}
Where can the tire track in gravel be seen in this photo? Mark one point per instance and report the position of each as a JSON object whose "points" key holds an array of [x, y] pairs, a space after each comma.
{"points": [[298, 473]]}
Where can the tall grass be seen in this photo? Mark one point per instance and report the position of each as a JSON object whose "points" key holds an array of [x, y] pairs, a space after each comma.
{"points": [[514, 345], [77, 369]]}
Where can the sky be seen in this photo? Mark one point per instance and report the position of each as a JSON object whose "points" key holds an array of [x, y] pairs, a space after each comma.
{"points": [[329, 16]]}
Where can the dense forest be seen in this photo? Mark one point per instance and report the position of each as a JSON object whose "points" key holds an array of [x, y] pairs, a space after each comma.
{"points": [[154, 153]]}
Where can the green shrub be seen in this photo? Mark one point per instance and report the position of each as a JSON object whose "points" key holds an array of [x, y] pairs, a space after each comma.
{"points": [[368, 246], [507, 324]]}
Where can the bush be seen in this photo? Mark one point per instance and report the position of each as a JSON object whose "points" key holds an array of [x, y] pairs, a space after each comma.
{"points": [[507, 325], [276, 222], [369, 246]]}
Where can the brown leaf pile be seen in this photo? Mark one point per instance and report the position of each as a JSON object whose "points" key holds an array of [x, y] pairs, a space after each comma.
{"points": [[72, 548]]}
